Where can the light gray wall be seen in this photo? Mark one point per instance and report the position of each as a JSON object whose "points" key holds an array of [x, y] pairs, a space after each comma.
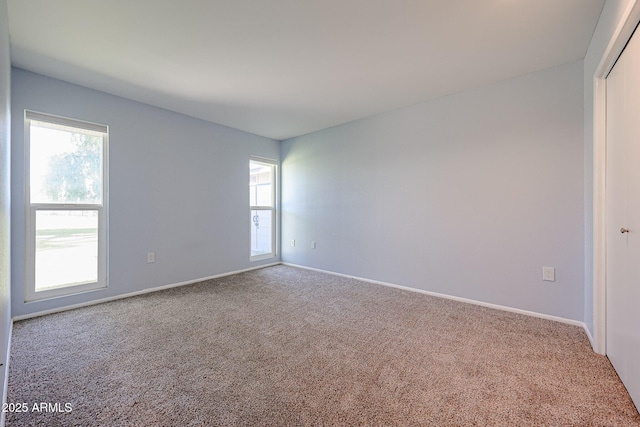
{"points": [[467, 195], [609, 20], [178, 187], [5, 193]]}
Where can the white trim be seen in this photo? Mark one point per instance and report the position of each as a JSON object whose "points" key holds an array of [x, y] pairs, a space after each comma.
{"points": [[266, 160], [5, 386], [65, 121], [255, 258], [622, 34], [619, 39], [599, 234], [449, 297], [136, 293]]}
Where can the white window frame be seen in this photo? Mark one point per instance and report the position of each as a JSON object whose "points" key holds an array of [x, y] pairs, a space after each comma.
{"points": [[274, 171], [31, 210]]}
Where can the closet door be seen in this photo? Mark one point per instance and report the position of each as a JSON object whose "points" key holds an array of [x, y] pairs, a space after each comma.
{"points": [[623, 217]]}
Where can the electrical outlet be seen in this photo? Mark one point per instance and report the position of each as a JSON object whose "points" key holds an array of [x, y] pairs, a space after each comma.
{"points": [[151, 257], [293, 242], [548, 274], [313, 245]]}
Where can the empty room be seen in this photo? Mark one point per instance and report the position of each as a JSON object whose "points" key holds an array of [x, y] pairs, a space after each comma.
{"points": [[354, 212]]}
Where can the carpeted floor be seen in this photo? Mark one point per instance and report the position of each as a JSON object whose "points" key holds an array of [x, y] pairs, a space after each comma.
{"points": [[284, 346]]}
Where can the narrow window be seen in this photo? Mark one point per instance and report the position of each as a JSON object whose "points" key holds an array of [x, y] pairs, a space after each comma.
{"points": [[262, 197], [66, 215]]}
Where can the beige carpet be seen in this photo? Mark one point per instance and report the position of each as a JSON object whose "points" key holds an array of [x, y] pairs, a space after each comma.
{"points": [[284, 346]]}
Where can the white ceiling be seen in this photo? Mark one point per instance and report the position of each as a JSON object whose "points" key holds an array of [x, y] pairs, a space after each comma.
{"points": [[282, 68]]}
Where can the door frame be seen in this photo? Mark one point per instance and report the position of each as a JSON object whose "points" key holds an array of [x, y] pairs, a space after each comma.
{"points": [[622, 34]]}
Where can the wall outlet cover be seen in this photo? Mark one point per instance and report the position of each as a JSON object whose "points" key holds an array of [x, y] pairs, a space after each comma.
{"points": [[548, 274]]}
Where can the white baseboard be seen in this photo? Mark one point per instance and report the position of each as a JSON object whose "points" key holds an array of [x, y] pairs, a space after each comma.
{"points": [[136, 293], [363, 279], [589, 336], [454, 298], [5, 386]]}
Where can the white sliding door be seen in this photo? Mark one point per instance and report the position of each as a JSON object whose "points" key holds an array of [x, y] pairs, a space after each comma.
{"points": [[623, 218]]}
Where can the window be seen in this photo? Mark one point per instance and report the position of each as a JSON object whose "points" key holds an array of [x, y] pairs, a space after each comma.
{"points": [[262, 192], [66, 212]]}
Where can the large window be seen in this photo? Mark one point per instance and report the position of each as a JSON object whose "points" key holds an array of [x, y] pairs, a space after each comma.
{"points": [[262, 201], [66, 213]]}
